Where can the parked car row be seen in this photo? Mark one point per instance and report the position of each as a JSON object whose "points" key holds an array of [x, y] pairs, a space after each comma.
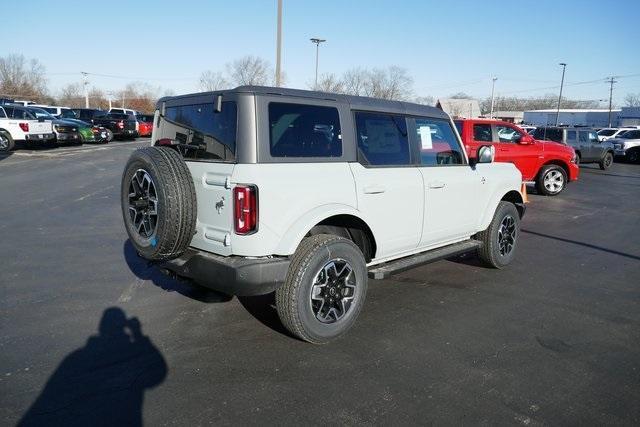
{"points": [[27, 123]]}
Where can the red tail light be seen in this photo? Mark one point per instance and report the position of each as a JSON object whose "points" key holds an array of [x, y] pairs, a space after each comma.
{"points": [[245, 208], [24, 127], [121, 124]]}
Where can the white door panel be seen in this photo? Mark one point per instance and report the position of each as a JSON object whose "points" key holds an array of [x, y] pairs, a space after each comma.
{"points": [[393, 199], [452, 195]]}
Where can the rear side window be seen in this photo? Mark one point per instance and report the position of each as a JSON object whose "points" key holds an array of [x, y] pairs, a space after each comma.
{"points": [[2, 114], [438, 143], [214, 133], [482, 133], [571, 135], [382, 139], [582, 137], [298, 130]]}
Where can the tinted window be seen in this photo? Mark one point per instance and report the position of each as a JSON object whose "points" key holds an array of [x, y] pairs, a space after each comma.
{"points": [[548, 134], [459, 126], [507, 134], [2, 114], [582, 136], [482, 133], [571, 135], [214, 132], [607, 132], [144, 118], [50, 110], [19, 113], [117, 110], [438, 143], [297, 130], [382, 139], [68, 114], [593, 138], [631, 134]]}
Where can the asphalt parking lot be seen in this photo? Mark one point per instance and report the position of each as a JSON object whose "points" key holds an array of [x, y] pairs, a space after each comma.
{"points": [[89, 332]]}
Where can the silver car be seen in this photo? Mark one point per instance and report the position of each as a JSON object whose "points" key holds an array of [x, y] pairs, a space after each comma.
{"points": [[627, 146]]}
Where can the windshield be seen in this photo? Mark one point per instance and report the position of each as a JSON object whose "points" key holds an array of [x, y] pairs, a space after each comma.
{"points": [[66, 113], [39, 112], [548, 134], [606, 132]]}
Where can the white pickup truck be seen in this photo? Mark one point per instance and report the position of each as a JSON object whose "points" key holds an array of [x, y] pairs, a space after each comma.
{"points": [[22, 127], [309, 194]]}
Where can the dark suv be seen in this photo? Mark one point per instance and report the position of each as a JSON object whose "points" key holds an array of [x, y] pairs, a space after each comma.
{"points": [[583, 140]]}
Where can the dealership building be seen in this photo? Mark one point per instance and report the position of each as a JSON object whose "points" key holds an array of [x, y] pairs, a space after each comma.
{"points": [[572, 117]]}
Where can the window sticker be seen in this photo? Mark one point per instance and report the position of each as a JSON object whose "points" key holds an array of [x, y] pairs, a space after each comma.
{"points": [[425, 137]]}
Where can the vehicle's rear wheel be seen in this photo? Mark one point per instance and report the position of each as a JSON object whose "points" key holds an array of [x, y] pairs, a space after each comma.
{"points": [[551, 180], [324, 290], [109, 136], [158, 203], [606, 161], [578, 159], [633, 155], [6, 142], [500, 240]]}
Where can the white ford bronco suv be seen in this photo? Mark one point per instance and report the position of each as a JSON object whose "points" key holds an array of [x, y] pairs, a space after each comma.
{"points": [[309, 194]]}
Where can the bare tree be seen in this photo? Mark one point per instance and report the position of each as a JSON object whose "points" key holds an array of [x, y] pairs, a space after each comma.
{"points": [[22, 78], [250, 70], [632, 100], [390, 83], [213, 80], [72, 95], [460, 95], [425, 100], [139, 96], [354, 81], [330, 83], [548, 101]]}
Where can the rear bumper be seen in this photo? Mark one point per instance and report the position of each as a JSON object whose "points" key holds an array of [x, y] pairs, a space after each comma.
{"points": [[232, 275], [39, 136], [68, 136]]}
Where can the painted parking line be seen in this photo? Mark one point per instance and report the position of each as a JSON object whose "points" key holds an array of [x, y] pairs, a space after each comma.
{"points": [[66, 151]]}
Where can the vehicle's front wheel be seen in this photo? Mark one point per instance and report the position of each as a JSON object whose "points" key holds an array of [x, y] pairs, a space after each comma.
{"points": [[324, 290], [606, 161], [551, 180], [500, 240], [6, 142]]}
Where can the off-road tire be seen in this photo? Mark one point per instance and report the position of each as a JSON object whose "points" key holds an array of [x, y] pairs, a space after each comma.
{"points": [[176, 207], [548, 169], [489, 251], [606, 161], [293, 298], [6, 142]]}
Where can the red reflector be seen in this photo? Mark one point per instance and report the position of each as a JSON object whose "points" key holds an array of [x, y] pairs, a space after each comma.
{"points": [[165, 141], [24, 127], [245, 209]]}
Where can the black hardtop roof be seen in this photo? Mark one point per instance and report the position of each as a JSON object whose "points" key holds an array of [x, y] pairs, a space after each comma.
{"points": [[355, 102]]}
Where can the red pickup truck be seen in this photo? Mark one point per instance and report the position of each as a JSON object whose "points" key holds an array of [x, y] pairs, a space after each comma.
{"points": [[549, 164]]}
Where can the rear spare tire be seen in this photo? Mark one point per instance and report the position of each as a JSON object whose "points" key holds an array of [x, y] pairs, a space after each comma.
{"points": [[158, 203]]}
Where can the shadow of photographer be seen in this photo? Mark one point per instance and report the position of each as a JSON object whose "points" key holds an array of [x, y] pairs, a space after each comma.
{"points": [[102, 383]]}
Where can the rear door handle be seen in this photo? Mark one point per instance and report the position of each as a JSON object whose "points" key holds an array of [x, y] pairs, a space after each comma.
{"points": [[436, 184], [374, 189]]}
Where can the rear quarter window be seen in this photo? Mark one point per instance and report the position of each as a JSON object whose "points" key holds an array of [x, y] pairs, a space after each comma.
{"points": [[299, 130], [212, 134]]}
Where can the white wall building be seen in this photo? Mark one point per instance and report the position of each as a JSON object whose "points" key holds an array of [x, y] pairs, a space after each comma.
{"points": [[572, 117]]}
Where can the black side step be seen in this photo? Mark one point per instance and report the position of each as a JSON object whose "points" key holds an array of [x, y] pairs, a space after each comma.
{"points": [[385, 270]]}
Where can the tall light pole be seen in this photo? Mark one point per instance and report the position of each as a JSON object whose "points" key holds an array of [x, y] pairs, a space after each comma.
{"points": [[493, 86], [564, 66], [279, 43], [85, 83], [611, 80], [317, 41]]}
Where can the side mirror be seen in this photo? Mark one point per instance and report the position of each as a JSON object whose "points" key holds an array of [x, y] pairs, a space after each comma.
{"points": [[526, 139], [486, 154]]}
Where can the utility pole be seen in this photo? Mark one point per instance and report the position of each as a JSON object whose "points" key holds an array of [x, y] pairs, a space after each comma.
{"points": [[86, 89], [493, 86], [279, 43], [564, 66], [611, 80], [317, 41]]}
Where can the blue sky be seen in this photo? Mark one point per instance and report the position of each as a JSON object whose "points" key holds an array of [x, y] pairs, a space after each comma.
{"points": [[447, 46]]}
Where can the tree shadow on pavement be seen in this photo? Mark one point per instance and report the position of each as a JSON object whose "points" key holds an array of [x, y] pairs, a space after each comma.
{"points": [[102, 383], [148, 271]]}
